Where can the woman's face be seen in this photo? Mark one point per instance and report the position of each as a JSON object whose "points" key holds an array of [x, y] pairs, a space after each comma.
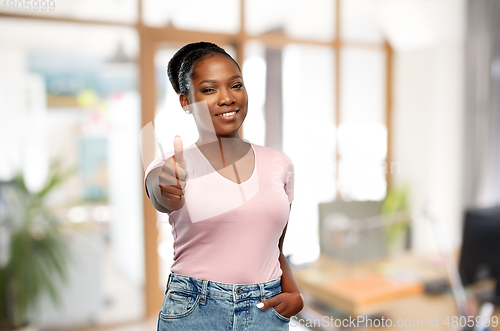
{"points": [[217, 80]]}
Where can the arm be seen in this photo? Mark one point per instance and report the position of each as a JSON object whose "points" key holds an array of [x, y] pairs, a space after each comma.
{"points": [[153, 187], [290, 302], [288, 284]]}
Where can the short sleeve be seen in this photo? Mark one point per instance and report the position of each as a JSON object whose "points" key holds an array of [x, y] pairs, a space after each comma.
{"points": [[289, 178]]}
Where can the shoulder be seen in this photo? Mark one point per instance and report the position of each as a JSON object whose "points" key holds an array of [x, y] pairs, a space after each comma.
{"points": [[276, 159], [276, 156], [269, 152]]}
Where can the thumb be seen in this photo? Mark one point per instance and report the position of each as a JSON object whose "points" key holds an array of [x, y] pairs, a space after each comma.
{"points": [[264, 304], [178, 150]]}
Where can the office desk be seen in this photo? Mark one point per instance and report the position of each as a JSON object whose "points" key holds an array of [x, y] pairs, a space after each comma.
{"points": [[342, 286], [359, 288]]}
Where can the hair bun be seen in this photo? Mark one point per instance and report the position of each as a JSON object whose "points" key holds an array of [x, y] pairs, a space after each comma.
{"points": [[175, 63], [180, 66]]}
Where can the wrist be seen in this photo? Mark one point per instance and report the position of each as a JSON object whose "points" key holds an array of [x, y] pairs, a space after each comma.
{"points": [[172, 205], [298, 301]]}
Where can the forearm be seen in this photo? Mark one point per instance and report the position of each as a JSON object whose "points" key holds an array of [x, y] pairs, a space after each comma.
{"points": [[159, 206], [290, 289], [288, 284], [154, 190]]}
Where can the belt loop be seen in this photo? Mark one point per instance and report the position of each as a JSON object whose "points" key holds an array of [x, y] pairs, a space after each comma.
{"points": [[204, 292], [262, 291], [168, 281]]}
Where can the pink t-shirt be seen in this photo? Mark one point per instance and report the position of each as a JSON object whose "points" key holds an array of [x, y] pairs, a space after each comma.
{"points": [[229, 232]]}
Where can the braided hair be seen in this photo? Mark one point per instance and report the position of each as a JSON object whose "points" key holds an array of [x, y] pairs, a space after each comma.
{"points": [[181, 65]]}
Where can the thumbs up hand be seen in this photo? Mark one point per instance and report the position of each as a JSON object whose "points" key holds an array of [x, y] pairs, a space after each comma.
{"points": [[173, 177]]}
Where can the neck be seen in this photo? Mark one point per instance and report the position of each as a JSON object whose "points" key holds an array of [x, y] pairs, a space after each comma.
{"points": [[229, 144], [231, 140]]}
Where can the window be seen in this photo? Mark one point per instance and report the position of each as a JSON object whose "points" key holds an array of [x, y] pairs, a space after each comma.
{"points": [[327, 59]]}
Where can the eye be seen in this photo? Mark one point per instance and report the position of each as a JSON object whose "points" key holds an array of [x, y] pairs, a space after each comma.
{"points": [[206, 90], [238, 85]]}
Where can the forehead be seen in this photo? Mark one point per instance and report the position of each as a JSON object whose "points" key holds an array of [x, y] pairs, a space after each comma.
{"points": [[214, 66]]}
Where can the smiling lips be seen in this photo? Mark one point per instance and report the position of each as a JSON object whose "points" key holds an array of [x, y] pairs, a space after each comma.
{"points": [[228, 113], [228, 116]]}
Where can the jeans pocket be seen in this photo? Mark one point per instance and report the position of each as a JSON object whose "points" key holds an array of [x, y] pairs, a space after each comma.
{"points": [[178, 303], [281, 317]]}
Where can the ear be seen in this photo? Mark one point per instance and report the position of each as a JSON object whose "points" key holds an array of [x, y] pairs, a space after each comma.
{"points": [[185, 103]]}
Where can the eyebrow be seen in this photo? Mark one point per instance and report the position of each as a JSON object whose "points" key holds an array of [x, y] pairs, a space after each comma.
{"points": [[214, 81]]}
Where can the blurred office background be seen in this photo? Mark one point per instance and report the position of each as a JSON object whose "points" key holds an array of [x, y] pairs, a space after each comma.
{"points": [[384, 106]]}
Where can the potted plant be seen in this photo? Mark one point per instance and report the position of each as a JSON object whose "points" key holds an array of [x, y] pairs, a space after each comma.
{"points": [[37, 253], [394, 204]]}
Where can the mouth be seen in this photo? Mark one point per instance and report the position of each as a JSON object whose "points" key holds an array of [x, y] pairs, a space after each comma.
{"points": [[228, 113], [227, 116]]}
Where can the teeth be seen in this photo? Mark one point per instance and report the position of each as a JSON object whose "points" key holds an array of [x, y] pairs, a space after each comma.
{"points": [[228, 114]]}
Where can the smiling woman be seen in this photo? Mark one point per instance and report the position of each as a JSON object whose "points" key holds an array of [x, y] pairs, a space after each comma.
{"points": [[228, 202]]}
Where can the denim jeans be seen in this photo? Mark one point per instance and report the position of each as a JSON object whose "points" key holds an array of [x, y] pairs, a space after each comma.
{"points": [[197, 304]]}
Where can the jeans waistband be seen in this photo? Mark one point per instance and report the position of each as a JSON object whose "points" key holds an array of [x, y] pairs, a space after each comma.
{"points": [[218, 289]]}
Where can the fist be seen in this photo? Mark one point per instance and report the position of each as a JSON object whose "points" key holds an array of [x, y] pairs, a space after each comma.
{"points": [[173, 173]]}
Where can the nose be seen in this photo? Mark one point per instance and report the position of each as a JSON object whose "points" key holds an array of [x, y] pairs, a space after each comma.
{"points": [[226, 97]]}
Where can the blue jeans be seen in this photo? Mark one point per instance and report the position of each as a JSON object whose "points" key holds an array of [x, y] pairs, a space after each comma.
{"points": [[197, 304]]}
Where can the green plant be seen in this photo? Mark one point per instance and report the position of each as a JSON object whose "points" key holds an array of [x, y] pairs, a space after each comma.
{"points": [[38, 253], [396, 201]]}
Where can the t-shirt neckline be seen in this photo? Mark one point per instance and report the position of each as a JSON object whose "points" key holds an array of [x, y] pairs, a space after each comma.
{"points": [[248, 180]]}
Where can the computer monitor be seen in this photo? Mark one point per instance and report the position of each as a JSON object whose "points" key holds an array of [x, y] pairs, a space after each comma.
{"points": [[480, 253]]}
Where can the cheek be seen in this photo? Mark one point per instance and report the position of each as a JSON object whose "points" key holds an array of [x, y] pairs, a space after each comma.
{"points": [[210, 101], [245, 96]]}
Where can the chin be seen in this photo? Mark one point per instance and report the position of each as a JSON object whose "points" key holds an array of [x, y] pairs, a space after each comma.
{"points": [[227, 131]]}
